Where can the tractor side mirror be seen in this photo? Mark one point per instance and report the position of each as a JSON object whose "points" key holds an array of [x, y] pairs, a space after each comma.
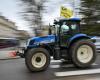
{"points": [[55, 22]]}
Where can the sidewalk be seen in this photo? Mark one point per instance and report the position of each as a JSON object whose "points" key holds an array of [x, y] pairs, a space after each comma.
{"points": [[8, 54]]}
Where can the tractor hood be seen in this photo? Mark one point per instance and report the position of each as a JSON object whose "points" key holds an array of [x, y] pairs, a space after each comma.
{"points": [[43, 39]]}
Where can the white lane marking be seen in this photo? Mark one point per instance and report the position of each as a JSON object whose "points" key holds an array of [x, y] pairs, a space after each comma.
{"points": [[54, 66], [94, 64], [54, 61], [58, 66], [79, 72], [51, 57], [66, 66], [95, 78]]}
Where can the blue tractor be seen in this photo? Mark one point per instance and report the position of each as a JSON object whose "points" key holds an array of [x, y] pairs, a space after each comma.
{"points": [[65, 41]]}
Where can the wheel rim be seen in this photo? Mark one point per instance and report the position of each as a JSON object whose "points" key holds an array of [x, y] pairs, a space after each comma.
{"points": [[38, 60], [85, 54]]}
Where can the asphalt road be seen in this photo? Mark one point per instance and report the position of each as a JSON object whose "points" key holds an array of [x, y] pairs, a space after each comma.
{"points": [[15, 69]]}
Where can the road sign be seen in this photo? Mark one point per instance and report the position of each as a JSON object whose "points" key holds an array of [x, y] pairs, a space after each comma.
{"points": [[65, 12]]}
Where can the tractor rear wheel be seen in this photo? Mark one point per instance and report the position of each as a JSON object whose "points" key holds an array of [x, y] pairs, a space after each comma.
{"points": [[37, 59], [83, 53]]}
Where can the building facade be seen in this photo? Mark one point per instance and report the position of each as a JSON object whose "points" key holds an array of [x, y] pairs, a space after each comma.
{"points": [[8, 29]]}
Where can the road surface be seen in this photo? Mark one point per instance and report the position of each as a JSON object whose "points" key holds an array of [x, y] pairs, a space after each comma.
{"points": [[15, 69]]}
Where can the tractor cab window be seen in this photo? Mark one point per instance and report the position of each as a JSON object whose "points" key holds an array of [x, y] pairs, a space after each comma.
{"points": [[55, 29], [64, 29], [73, 26]]}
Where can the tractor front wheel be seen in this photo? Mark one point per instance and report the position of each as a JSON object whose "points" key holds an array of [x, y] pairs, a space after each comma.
{"points": [[83, 53], [37, 59]]}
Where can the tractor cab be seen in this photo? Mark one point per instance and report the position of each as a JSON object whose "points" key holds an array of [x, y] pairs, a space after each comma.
{"points": [[68, 25], [64, 29]]}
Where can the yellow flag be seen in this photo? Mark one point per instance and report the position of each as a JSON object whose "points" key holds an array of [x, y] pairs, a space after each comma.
{"points": [[65, 12]]}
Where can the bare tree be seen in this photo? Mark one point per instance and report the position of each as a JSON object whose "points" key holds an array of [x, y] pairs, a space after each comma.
{"points": [[90, 9], [32, 11]]}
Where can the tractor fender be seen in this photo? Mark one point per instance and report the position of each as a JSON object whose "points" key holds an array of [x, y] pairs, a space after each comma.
{"points": [[77, 37], [43, 45], [48, 48]]}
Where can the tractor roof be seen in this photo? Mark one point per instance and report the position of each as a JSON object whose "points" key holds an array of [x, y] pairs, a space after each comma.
{"points": [[71, 19], [65, 20], [75, 19]]}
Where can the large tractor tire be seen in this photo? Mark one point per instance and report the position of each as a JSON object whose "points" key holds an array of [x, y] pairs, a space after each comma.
{"points": [[37, 59], [83, 53]]}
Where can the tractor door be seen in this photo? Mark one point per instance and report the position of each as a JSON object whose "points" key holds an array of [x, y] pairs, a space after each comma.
{"points": [[68, 29], [65, 34]]}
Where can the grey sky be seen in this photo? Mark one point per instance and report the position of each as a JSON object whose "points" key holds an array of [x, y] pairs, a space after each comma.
{"points": [[10, 9], [53, 9]]}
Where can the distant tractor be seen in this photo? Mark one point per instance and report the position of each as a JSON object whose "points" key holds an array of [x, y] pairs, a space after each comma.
{"points": [[65, 41]]}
